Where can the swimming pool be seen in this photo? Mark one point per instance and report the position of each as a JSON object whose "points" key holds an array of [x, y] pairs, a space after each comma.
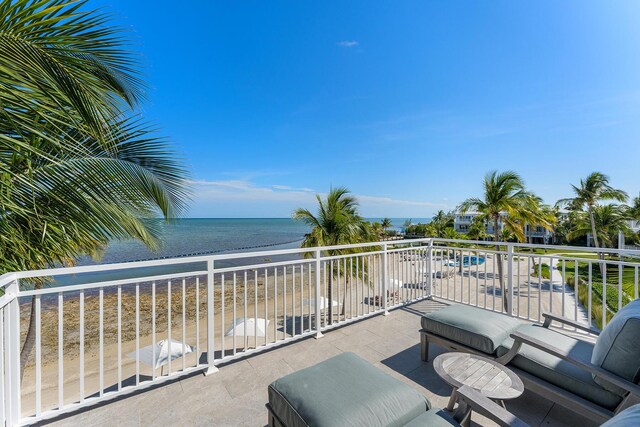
{"points": [[467, 261], [474, 260]]}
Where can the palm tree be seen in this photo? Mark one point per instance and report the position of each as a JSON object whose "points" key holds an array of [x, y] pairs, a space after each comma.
{"points": [[386, 224], [441, 221], [78, 167], [451, 233], [505, 201], [478, 228], [565, 223], [633, 211], [609, 221], [337, 222], [376, 230], [406, 224], [592, 190], [536, 215], [430, 230]]}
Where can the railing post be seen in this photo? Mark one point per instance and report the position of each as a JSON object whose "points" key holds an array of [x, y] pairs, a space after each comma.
{"points": [[509, 289], [430, 271], [12, 354], [318, 296], [385, 279], [211, 368]]}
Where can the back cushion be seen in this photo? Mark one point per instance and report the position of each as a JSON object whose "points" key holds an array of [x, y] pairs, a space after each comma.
{"points": [[618, 347]]}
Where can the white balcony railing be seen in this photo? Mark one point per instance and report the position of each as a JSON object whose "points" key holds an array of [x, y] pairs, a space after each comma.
{"points": [[92, 335]]}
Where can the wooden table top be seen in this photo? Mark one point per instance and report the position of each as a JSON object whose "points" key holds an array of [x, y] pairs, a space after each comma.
{"points": [[487, 376]]}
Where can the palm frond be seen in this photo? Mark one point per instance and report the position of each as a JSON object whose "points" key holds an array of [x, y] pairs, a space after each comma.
{"points": [[77, 167]]}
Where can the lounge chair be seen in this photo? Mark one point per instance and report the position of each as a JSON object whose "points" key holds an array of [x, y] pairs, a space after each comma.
{"points": [[346, 390], [598, 380], [630, 417]]}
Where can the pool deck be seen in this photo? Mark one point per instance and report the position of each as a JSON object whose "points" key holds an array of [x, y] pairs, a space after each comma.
{"points": [[237, 394]]}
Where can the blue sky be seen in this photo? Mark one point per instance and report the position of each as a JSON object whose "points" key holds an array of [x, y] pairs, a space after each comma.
{"points": [[408, 104]]}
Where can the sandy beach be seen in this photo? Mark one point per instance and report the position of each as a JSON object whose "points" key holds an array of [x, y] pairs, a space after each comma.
{"points": [[289, 313]]}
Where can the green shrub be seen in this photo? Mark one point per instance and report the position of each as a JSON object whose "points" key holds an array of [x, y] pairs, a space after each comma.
{"points": [[543, 268], [596, 298]]}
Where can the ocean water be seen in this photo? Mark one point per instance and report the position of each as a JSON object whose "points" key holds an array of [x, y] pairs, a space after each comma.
{"points": [[199, 236], [191, 236]]}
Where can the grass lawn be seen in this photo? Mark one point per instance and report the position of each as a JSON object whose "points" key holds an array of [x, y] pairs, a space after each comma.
{"points": [[573, 253], [620, 286], [540, 251], [542, 268]]}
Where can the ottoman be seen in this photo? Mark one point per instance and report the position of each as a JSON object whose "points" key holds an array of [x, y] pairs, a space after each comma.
{"points": [[345, 390]]}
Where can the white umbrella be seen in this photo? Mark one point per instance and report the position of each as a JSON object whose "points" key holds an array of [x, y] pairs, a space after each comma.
{"points": [[324, 303], [250, 325], [162, 353]]}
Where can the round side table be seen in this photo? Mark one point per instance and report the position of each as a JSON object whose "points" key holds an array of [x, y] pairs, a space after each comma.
{"points": [[491, 379]]}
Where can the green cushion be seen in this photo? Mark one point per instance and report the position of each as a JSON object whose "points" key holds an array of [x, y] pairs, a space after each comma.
{"points": [[480, 329], [557, 371], [618, 348], [433, 418], [344, 391], [630, 417]]}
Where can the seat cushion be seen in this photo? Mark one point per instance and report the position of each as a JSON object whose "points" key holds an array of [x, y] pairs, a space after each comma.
{"points": [[344, 391], [474, 327], [557, 371], [618, 348], [630, 417], [433, 418]]}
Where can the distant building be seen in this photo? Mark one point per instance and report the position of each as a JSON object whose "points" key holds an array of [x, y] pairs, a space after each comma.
{"points": [[462, 222], [537, 234]]}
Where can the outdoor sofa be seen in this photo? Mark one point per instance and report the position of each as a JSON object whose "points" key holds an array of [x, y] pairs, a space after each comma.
{"points": [[346, 390], [598, 380]]}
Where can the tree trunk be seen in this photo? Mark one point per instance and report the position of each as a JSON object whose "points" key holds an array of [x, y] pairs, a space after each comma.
{"points": [[595, 240], [496, 237], [344, 296], [330, 297], [30, 339], [593, 228]]}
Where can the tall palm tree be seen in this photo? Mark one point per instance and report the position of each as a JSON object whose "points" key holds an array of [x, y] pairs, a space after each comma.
{"points": [[441, 221], [633, 211], [337, 222], [505, 201], [77, 166], [478, 228], [451, 233], [536, 215], [386, 223], [406, 224], [609, 221], [376, 230], [430, 230], [592, 190]]}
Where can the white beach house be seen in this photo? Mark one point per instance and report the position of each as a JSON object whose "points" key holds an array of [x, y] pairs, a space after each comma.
{"points": [[535, 234]]}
